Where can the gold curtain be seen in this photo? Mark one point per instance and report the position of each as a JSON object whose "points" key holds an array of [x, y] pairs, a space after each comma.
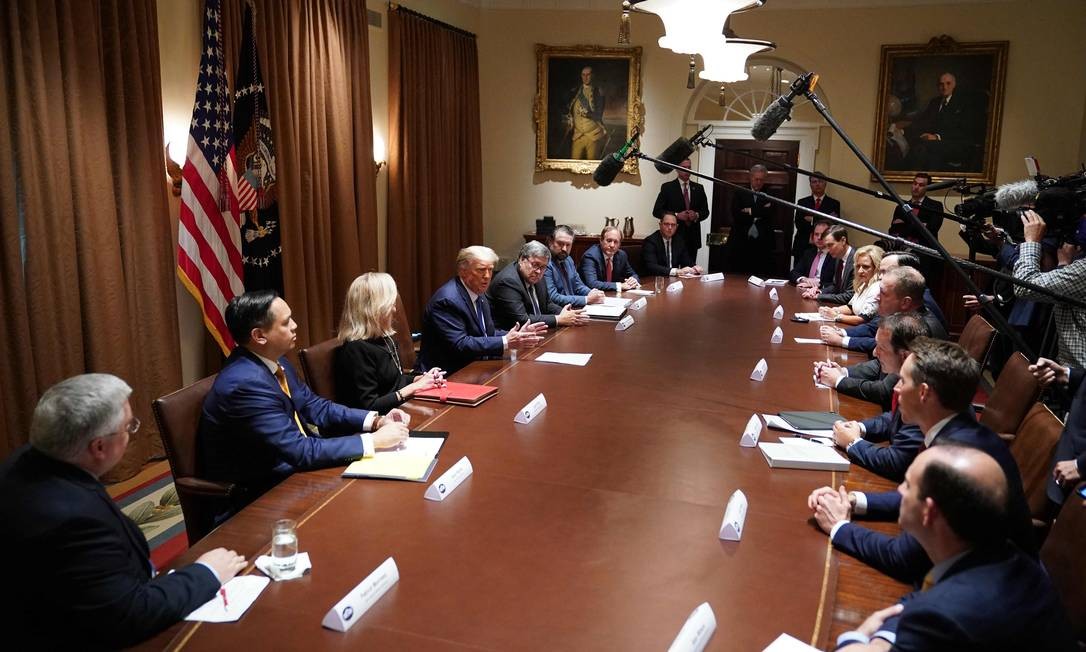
{"points": [[314, 55], [85, 249], [435, 158]]}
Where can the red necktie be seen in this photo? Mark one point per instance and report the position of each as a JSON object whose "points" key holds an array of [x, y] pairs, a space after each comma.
{"points": [[818, 203], [893, 402], [686, 195], [610, 269]]}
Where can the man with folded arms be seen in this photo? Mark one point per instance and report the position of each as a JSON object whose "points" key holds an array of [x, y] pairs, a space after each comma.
{"points": [[814, 267], [605, 266], [564, 284], [254, 428], [664, 253], [457, 325], [79, 574], [937, 384], [519, 293], [982, 593]]}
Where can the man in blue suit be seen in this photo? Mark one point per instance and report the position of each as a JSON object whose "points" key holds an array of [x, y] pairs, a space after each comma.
{"points": [[1069, 458], [564, 285], [457, 325], [256, 424], [79, 573], [937, 384], [982, 592], [605, 266]]}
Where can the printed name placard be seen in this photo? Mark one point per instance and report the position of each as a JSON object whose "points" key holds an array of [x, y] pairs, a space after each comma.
{"points": [[754, 280], [777, 337], [349, 610], [778, 313], [449, 480], [696, 631], [625, 322], [760, 370], [530, 411], [773, 295], [752, 432], [639, 304], [677, 286], [731, 529], [712, 278]]}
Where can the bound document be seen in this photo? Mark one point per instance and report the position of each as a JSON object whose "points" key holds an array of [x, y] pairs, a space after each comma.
{"points": [[802, 454], [414, 461], [609, 313], [458, 394]]}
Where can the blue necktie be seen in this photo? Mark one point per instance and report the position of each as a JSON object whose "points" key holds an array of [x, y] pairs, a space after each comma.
{"points": [[479, 313]]}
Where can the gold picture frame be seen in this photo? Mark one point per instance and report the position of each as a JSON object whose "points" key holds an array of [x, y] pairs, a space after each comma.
{"points": [[575, 129], [911, 110]]}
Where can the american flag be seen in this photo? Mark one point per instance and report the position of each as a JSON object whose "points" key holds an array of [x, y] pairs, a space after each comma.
{"points": [[209, 238]]}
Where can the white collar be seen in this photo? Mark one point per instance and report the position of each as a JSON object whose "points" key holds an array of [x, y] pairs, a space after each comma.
{"points": [[272, 365], [470, 293], [936, 429]]}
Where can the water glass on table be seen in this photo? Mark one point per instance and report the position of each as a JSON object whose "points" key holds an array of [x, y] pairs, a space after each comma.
{"points": [[284, 545], [660, 283]]}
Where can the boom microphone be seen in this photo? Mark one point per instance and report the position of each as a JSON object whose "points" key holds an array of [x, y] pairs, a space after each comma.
{"points": [[769, 122], [1012, 195], [611, 164], [679, 151]]}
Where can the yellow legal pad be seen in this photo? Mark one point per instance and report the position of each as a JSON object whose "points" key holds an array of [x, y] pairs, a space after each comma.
{"points": [[413, 462]]}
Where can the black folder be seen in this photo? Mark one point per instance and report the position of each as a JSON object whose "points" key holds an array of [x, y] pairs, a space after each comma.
{"points": [[811, 420]]}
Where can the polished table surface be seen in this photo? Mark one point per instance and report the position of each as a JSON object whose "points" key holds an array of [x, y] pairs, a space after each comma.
{"points": [[593, 527]]}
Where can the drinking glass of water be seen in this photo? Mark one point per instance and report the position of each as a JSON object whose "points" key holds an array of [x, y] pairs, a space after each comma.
{"points": [[284, 545], [660, 284]]}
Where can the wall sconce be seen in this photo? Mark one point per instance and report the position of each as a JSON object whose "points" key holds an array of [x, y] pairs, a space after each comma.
{"points": [[378, 153], [173, 171]]}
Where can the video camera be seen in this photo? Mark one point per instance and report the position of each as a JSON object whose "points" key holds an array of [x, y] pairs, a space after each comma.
{"points": [[1060, 201]]}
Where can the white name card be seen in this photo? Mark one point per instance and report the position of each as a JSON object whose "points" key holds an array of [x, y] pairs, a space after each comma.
{"points": [[731, 529], [773, 294], [778, 313], [777, 337], [677, 286], [449, 480], [530, 411], [752, 432], [349, 610], [639, 304], [696, 631], [625, 322], [712, 278], [760, 370], [754, 280]]}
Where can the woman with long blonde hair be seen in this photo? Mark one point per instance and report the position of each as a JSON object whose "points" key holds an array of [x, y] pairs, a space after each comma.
{"points": [[864, 303], [369, 374]]}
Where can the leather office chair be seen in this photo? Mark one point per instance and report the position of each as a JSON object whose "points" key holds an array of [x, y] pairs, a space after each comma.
{"points": [[977, 338], [318, 365], [178, 419], [1062, 558], [1032, 448], [1015, 392]]}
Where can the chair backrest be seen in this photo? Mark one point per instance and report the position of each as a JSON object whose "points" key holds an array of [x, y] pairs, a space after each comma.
{"points": [[318, 365], [178, 419], [1062, 558], [1015, 391], [403, 336], [1032, 448], [977, 338]]}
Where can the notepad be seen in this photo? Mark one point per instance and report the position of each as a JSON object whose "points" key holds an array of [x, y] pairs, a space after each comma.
{"points": [[811, 316], [413, 461], [231, 601], [775, 422], [640, 293], [799, 454], [576, 359], [615, 301], [458, 394], [610, 313], [776, 281]]}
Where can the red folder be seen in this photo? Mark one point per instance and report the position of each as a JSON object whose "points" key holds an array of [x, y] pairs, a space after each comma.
{"points": [[458, 394]]}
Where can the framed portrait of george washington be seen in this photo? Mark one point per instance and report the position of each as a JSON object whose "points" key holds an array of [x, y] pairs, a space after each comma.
{"points": [[587, 104], [940, 109]]}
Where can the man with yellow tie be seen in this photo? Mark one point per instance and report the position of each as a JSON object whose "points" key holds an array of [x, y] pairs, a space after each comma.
{"points": [[260, 422]]}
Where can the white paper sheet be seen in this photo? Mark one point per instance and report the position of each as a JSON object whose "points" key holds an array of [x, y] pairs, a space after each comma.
{"points": [[640, 293], [786, 643], [576, 359], [811, 316], [616, 301], [232, 600], [776, 281], [807, 340]]}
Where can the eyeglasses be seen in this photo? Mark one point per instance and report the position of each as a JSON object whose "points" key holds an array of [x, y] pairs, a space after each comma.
{"points": [[537, 267]]}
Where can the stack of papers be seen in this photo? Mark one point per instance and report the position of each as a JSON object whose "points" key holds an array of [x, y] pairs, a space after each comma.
{"points": [[640, 293], [811, 316], [616, 301], [793, 453], [776, 281], [231, 601], [777, 423], [578, 359], [610, 313]]}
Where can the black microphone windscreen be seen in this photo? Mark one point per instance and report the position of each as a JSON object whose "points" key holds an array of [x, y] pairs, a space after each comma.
{"points": [[607, 170], [676, 153], [770, 121], [1013, 195]]}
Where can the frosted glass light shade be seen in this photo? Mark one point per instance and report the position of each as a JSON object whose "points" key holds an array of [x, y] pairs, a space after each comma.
{"points": [[690, 25], [726, 59]]}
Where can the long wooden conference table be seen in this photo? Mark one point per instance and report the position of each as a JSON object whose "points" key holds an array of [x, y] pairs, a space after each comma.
{"points": [[594, 527]]}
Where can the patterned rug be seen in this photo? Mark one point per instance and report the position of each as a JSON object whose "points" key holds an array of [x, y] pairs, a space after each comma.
{"points": [[154, 506]]}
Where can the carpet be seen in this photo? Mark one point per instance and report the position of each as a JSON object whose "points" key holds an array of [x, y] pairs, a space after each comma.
{"points": [[155, 507]]}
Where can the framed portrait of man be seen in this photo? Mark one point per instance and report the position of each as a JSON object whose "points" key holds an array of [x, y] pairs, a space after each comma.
{"points": [[940, 109], [587, 104]]}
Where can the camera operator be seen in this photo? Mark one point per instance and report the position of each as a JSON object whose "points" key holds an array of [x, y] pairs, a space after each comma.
{"points": [[1068, 279]]}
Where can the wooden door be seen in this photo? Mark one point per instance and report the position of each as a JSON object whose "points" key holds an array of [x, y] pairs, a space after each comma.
{"points": [[731, 165]]}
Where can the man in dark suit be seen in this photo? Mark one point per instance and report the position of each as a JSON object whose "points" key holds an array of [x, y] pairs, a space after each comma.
{"points": [[79, 573], [457, 325], [815, 267], [945, 134], [982, 593], [664, 254], [519, 293], [605, 266], [937, 384], [687, 201], [930, 214], [253, 428], [750, 245], [804, 221], [859, 438], [564, 284], [843, 254], [1069, 458]]}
